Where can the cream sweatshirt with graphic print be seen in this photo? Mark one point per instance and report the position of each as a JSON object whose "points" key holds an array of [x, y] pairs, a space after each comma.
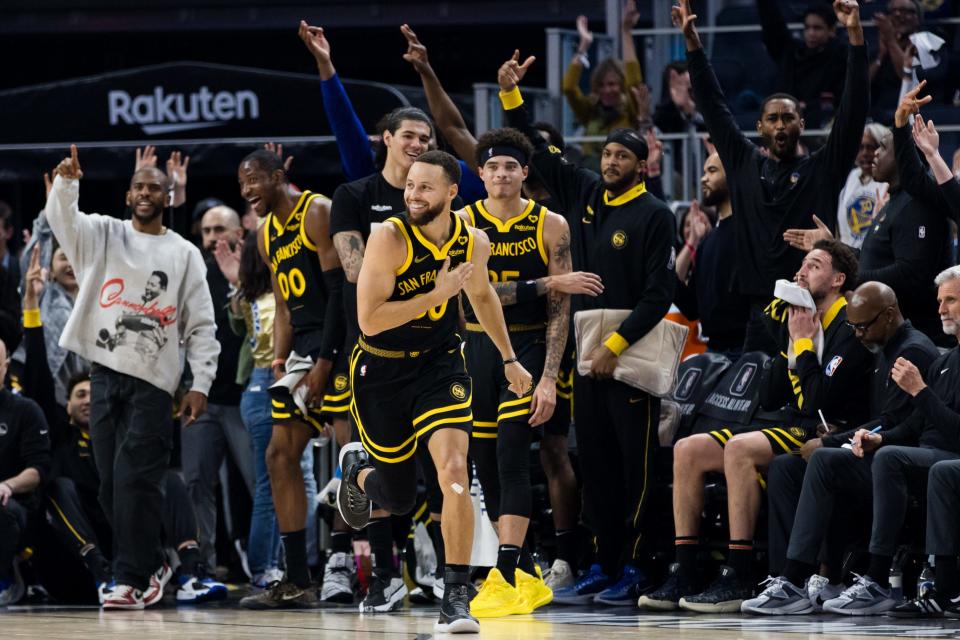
{"points": [[143, 305]]}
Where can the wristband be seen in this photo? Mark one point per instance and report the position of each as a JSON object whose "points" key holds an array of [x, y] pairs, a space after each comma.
{"points": [[31, 319], [584, 60], [511, 99], [510, 361], [689, 246]]}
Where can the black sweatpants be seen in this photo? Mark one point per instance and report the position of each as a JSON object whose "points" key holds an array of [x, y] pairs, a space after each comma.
{"points": [[131, 428], [943, 509], [13, 524], [617, 440]]}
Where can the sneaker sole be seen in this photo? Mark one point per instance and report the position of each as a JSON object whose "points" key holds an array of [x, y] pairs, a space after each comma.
{"points": [[869, 611], [730, 606], [341, 597], [354, 520], [657, 605], [781, 611], [614, 603], [394, 603], [574, 600], [463, 625], [124, 607], [215, 594]]}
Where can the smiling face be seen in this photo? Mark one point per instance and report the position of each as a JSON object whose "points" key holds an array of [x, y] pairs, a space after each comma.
{"points": [[78, 404], [61, 271], [259, 187], [503, 177], [428, 193], [780, 126], [407, 143], [147, 194]]}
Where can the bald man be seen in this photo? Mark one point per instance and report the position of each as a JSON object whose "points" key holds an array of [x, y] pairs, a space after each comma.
{"points": [[822, 520], [207, 441], [220, 222]]}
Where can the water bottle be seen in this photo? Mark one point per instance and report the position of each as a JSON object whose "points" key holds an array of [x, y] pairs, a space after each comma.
{"points": [[896, 584], [925, 580]]}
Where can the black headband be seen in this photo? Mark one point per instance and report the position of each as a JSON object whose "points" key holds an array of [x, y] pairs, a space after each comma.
{"points": [[631, 140], [505, 150]]}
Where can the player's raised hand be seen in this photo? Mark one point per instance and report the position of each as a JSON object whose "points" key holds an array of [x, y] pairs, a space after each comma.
{"points": [[848, 12], [416, 51], [910, 104], [315, 42], [69, 168], [512, 72], [685, 20], [145, 158]]}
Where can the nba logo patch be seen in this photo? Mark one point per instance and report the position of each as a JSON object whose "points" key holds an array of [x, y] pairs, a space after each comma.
{"points": [[922, 232], [794, 178], [363, 370], [832, 366]]}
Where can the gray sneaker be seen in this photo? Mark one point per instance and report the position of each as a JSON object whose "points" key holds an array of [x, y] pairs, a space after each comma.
{"points": [[338, 576], [864, 598], [819, 590], [355, 507], [780, 598]]}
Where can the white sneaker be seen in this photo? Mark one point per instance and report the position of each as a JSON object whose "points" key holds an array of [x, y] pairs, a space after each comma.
{"points": [[328, 495], [338, 575], [123, 596], [104, 589], [438, 589], [559, 575], [864, 598], [819, 590], [158, 580], [193, 589]]}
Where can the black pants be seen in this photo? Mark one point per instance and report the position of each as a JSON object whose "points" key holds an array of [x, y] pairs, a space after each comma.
{"points": [[77, 517], [784, 485], [617, 440], [13, 524], [836, 478], [131, 431], [943, 509]]}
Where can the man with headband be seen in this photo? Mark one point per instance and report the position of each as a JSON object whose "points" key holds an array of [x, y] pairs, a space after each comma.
{"points": [[625, 237], [529, 254]]}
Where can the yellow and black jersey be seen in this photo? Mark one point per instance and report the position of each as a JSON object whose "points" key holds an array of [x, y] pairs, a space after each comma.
{"points": [[416, 277], [296, 265], [517, 253]]}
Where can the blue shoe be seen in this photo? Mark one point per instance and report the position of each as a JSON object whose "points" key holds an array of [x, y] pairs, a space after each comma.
{"points": [[193, 589], [584, 589], [626, 590]]}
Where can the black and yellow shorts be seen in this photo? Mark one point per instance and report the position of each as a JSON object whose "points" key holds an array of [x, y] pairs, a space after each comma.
{"points": [[782, 438], [493, 402], [401, 397], [559, 423], [336, 399]]}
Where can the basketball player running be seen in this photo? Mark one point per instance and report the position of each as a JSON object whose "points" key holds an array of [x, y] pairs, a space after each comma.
{"points": [[527, 242], [307, 281], [407, 372]]}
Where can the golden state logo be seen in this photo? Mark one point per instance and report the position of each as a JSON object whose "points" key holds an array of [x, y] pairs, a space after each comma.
{"points": [[797, 432], [860, 215], [458, 391], [340, 382], [619, 239]]}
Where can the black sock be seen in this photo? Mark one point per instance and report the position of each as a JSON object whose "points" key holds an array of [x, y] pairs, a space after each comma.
{"points": [[436, 536], [98, 565], [525, 563], [687, 548], [340, 541], [797, 572], [507, 557], [740, 558], [879, 570], [189, 559], [380, 535], [567, 546], [947, 581], [295, 550], [456, 574]]}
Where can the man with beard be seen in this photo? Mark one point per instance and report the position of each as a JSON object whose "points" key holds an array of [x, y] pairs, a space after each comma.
{"points": [[862, 194], [874, 315], [778, 190], [130, 419], [881, 465], [528, 242], [625, 238], [705, 272], [308, 333], [829, 376], [408, 374], [207, 441]]}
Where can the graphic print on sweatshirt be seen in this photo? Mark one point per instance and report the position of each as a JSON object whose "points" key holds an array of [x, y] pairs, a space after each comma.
{"points": [[141, 322]]}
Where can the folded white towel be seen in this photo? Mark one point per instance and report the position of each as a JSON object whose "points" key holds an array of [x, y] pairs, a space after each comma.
{"points": [[296, 367], [797, 296]]}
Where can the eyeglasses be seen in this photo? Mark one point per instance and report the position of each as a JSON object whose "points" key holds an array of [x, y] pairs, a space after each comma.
{"points": [[907, 11], [865, 326]]}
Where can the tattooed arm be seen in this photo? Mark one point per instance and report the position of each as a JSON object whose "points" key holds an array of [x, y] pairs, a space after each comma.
{"points": [[566, 282], [556, 235], [350, 248]]}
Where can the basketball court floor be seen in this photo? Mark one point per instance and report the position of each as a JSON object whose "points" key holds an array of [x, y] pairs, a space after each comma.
{"points": [[227, 622]]}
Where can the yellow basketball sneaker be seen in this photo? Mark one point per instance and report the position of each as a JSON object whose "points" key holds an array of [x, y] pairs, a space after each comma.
{"points": [[497, 598], [534, 590]]}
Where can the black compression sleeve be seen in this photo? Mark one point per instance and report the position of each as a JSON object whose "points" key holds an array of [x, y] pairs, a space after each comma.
{"points": [[334, 319]]}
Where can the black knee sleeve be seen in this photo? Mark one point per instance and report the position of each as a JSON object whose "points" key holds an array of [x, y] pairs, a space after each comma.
{"points": [[483, 452], [393, 487], [513, 458]]}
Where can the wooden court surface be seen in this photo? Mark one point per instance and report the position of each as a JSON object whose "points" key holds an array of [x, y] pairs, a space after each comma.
{"points": [[226, 621]]}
